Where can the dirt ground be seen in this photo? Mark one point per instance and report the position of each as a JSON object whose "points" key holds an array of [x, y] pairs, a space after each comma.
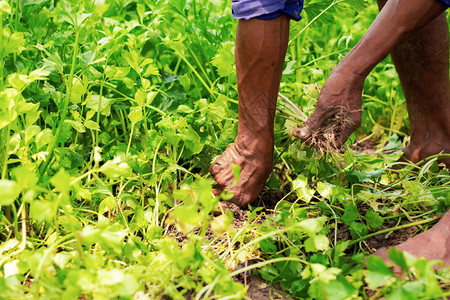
{"points": [[259, 289]]}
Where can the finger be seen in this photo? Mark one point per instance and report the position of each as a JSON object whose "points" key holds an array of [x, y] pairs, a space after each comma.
{"points": [[216, 190], [346, 129], [311, 125]]}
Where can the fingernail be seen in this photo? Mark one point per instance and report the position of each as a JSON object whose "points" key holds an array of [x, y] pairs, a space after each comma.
{"points": [[301, 132]]}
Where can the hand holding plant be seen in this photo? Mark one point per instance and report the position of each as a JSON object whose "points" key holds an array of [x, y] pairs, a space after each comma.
{"points": [[337, 113]]}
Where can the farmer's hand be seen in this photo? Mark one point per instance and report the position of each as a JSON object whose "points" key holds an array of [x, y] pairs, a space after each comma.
{"points": [[340, 96]]}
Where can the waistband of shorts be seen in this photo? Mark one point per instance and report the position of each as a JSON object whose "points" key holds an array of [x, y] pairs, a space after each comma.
{"points": [[266, 9]]}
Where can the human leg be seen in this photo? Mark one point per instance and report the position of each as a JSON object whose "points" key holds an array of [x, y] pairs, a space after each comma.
{"points": [[433, 244], [260, 51], [422, 63]]}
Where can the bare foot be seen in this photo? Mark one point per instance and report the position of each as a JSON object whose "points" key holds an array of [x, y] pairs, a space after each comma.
{"points": [[430, 142], [433, 244], [255, 166]]}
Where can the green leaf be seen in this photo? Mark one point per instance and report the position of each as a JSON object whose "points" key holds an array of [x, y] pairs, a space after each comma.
{"points": [[188, 217], [236, 169], [76, 125], [4, 7], [140, 97], [309, 245], [78, 90], [42, 211], [25, 176], [135, 115], [141, 11], [312, 226], [224, 60], [39, 74], [374, 220], [112, 238], [132, 58], [325, 189], [351, 214], [110, 277], [12, 43], [44, 138], [321, 242], [397, 257], [116, 168], [151, 70], [378, 273], [105, 107], [394, 143], [355, 176], [116, 73], [358, 230], [19, 81], [339, 289], [268, 246], [192, 140], [300, 186], [62, 181], [9, 191], [268, 273], [107, 204], [311, 90], [401, 294], [222, 224], [61, 259], [92, 125], [90, 235]]}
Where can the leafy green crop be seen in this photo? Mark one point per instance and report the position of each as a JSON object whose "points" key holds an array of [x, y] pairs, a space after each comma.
{"points": [[111, 113]]}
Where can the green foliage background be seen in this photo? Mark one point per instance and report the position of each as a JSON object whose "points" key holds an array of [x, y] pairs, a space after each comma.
{"points": [[110, 115]]}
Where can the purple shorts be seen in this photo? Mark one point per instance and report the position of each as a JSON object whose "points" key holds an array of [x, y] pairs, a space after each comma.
{"points": [[445, 2], [267, 9]]}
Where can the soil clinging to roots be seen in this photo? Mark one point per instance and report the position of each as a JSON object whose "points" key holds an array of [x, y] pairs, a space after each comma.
{"points": [[325, 139]]}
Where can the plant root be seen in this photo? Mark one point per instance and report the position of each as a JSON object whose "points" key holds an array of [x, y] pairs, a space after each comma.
{"points": [[325, 138]]}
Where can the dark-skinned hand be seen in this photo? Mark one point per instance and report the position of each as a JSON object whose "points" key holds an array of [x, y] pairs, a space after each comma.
{"points": [[341, 94]]}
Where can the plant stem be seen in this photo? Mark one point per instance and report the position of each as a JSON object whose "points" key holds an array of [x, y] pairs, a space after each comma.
{"points": [[5, 153], [301, 114], [394, 228], [267, 262], [65, 109], [1, 47], [24, 226], [315, 18]]}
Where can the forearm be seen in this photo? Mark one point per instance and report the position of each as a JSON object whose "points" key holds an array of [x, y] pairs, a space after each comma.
{"points": [[395, 23]]}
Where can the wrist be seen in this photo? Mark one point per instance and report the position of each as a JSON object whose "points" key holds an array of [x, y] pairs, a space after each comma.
{"points": [[356, 76]]}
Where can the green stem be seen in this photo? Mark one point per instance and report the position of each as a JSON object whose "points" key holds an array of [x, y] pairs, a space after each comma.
{"points": [[99, 109], [16, 16], [267, 262], [5, 153], [200, 66], [181, 55], [314, 19], [1, 47], [263, 237], [395, 228], [65, 109], [301, 114], [129, 140]]}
